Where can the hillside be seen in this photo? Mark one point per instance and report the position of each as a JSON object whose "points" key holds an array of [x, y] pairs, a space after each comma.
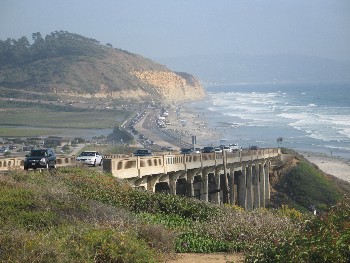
{"points": [[301, 184], [79, 215], [70, 65]]}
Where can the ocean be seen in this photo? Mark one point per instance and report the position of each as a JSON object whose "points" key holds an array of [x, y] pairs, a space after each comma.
{"points": [[303, 117]]}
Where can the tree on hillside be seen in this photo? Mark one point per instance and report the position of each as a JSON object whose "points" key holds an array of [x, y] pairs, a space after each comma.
{"points": [[56, 44]]}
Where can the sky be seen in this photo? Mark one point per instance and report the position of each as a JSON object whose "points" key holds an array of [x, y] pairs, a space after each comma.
{"points": [[172, 28]]}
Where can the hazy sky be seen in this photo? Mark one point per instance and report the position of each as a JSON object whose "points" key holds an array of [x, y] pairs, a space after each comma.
{"points": [[167, 28]]}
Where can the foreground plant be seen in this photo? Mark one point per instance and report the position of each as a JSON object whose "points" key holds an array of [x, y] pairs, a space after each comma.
{"points": [[324, 238]]}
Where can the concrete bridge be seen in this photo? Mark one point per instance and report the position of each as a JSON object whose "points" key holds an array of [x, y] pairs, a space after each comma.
{"points": [[240, 178]]}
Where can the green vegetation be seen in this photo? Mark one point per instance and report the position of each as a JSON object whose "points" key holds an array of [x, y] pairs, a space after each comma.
{"points": [[306, 186], [79, 215], [322, 239], [20, 132], [44, 115]]}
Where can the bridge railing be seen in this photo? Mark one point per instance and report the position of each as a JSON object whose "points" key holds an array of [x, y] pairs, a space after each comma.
{"points": [[129, 167], [125, 166], [18, 162]]}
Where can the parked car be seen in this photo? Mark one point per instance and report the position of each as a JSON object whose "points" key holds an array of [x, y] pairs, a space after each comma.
{"points": [[254, 147], [90, 158], [187, 151], [40, 158], [208, 149], [217, 150], [143, 152], [227, 149], [234, 147], [196, 150]]}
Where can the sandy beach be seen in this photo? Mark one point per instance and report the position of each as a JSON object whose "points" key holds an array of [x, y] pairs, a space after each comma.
{"points": [[335, 166]]}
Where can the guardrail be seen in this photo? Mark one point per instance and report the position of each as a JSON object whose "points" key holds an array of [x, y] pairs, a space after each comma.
{"points": [[13, 162], [132, 166], [126, 166]]}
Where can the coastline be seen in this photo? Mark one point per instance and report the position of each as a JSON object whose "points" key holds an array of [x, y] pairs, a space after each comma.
{"points": [[336, 166], [199, 126]]}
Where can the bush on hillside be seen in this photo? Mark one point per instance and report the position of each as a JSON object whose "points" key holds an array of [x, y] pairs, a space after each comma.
{"points": [[307, 186], [324, 238]]}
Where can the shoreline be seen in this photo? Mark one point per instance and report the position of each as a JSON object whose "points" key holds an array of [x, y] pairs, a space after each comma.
{"points": [[335, 166], [197, 124]]}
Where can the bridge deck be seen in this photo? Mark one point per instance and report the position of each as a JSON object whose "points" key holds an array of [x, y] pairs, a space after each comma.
{"points": [[131, 167]]}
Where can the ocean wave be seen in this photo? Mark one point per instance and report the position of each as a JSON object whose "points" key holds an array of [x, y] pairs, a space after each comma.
{"points": [[303, 118]]}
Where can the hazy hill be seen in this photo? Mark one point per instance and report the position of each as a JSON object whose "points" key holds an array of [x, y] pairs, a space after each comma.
{"points": [[276, 68], [68, 64]]}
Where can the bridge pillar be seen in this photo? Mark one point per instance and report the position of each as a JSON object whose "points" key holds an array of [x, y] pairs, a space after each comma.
{"points": [[231, 185], [151, 182], [173, 178], [256, 185], [249, 188], [204, 190], [262, 184], [242, 189], [217, 191], [267, 183], [190, 179]]}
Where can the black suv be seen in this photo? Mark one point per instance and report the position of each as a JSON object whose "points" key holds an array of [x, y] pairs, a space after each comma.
{"points": [[143, 152], [40, 158]]}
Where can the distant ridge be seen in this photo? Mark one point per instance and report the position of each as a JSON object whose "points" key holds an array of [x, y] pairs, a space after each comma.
{"points": [[71, 65], [261, 69]]}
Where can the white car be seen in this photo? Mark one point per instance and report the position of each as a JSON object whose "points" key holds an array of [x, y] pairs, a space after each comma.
{"points": [[234, 147], [90, 157]]}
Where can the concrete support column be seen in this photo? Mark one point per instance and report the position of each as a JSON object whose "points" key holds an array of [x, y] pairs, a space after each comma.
{"points": [[151, 182], [267, 183], [204, 188], [190, 178], [172, 184], [216, 195], [242, 189], [262, 184], [249, 188], [231, 185], [256, 186]]}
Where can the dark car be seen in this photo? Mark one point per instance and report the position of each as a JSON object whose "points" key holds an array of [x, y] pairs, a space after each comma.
{"points": [[208, 149], [143, 152], [40, 158], [254, 147], [187, 151]]}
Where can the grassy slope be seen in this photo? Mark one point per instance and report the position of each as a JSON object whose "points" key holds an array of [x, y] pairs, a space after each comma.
{"points": [[43, 115], [79, 215]]}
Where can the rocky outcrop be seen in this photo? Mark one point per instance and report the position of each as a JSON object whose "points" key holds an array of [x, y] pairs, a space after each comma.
{"points": [[173, 87]]}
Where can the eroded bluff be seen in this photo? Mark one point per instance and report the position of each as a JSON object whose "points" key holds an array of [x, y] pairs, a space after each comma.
{"points": [[172, 86]]}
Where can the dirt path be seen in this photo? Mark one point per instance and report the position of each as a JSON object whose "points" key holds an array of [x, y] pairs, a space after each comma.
{"points": [[207, 258]]}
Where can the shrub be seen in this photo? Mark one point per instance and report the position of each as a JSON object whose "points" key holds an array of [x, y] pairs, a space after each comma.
{"points": [[306, 186], [157, 237], [324, 238], [200, 243], [291, 213]]}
